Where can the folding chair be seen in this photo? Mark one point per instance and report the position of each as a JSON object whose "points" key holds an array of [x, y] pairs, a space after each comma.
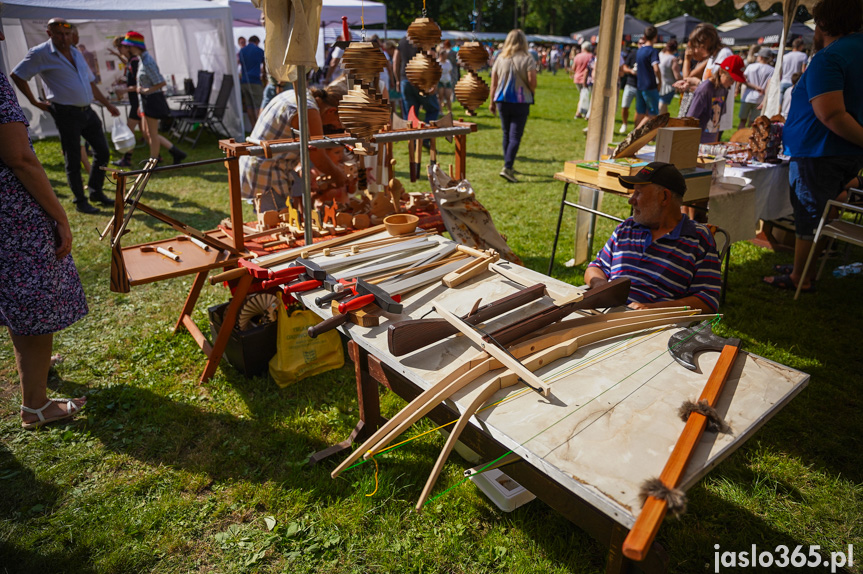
{"points": [[724, 256], [212, 121], [195, 110], [839, 228]]}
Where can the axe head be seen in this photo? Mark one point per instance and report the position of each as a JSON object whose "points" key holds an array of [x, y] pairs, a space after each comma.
{"points": [[313, 270], [382, 298], [397, 123], [445, 122], [684, 344]]}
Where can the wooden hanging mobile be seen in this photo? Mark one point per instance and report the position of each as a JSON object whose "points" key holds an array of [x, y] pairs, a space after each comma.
{"points": [[471, 91], [423, 71], [364, 111]]}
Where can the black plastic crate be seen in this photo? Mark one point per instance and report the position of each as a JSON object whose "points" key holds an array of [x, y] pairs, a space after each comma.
{"points": [[248, 351]]}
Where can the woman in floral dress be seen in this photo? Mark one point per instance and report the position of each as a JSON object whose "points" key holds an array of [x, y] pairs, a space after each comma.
{"points": [[40, 292]]}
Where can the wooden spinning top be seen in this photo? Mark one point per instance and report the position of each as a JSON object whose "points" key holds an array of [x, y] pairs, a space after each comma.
{"points": [[364, 112], [471, 91], [473, 56], [424, 33], [364, 61], [424, 73]]}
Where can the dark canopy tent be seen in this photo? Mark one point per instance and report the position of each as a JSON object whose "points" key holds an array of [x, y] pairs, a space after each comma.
{"points": [[681, 26], [633, 30], [765, 30]]}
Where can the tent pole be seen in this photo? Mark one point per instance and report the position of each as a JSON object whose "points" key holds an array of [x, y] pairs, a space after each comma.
{"points": [[600, 126], [302, 111]]}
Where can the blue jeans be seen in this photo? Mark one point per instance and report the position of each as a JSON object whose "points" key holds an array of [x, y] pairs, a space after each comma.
{"points": [[647, 101], [513, 118], [74, 123], [814, 181], [411, 98]]}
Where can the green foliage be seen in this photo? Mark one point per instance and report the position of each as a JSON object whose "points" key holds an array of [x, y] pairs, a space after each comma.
{"points": [[162, 474], [661, 10]]}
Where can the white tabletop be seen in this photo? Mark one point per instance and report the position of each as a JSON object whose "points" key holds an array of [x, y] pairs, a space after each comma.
{"points": [[610, 422]]}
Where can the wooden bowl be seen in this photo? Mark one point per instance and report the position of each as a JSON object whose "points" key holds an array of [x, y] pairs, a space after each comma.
{"points": [[401, 223]]}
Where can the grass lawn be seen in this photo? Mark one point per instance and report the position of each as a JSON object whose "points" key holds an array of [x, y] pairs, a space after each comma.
{"points": [[160, 474]]}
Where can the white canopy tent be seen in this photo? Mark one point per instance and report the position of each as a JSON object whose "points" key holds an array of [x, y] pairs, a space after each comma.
{"points": [[184, 36]]}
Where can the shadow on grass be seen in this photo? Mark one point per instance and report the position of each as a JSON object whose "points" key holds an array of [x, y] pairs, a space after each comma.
{"points": [[24, 498], [816, 425], [16, 560]]}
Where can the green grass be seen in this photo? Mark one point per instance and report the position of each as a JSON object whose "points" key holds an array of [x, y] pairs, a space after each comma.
{"points": [[161, 474]]}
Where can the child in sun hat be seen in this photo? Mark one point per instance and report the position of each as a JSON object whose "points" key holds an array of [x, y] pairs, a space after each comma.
{"points": [[153, 103]]}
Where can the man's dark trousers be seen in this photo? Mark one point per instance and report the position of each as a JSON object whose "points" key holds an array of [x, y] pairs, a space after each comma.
{"points": [[73, 123]]}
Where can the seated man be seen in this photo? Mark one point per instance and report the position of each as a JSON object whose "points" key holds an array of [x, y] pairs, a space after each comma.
{"points": [[670, 259]]}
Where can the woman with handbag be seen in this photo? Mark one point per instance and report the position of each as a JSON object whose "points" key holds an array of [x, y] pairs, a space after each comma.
{"points": [[153, 103], [513, 83]]}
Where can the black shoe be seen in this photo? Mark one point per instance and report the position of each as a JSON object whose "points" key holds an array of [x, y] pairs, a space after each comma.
{"points": [[84, 206], [178, 154], [100, 197], [122, 163]]}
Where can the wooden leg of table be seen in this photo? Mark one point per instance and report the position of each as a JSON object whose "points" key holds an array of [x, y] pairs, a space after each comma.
{"points": [[369, 404], [214, 357], [191, 300], [460, 156]]}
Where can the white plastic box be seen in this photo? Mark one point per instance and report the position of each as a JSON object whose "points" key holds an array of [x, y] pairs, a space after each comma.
{"points": [[506, 493]]}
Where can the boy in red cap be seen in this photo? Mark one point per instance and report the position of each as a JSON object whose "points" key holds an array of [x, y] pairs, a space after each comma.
{"points": [[708, 101]]}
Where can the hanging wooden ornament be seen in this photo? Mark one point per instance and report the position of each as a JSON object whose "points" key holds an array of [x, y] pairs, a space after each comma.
{"points": [[364, 61], [364, 112], [473, 56], [471, 91], [424, 72], [424, 33]]}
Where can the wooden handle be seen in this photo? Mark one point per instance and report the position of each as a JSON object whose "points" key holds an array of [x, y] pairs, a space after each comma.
{"points": [[302, 286], [229, 275], [292, 272], [643, 532], [327, 325], [407, 336], [356, 303], [323, 300]]}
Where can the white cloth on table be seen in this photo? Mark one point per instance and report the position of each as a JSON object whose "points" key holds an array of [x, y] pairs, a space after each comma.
{"points": [[772, 191]]}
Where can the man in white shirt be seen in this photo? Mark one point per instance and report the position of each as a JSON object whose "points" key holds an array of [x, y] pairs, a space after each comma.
{"points": [[70, 88], [757, 77]]}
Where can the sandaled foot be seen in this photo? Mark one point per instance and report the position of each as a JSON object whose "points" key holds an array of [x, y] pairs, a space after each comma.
{"points": [[785, 282], [783, 268], [52, 411]]}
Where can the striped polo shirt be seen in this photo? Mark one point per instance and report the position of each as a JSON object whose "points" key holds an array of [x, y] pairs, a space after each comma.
{"points": [[679, 264]]}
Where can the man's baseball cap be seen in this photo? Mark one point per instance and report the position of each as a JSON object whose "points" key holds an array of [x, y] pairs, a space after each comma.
{"points": [[59, 22], [765, 53], [734, 65], [660, 173]]}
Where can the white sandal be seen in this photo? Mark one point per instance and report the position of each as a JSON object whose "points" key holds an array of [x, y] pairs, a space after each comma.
{"points": [[72, 409]]}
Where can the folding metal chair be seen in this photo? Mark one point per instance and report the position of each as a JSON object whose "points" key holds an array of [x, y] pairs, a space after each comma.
{"points": [[839, 228]]}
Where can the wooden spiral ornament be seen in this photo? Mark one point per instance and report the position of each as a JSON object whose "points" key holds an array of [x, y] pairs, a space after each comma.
{"points": [[424, 33], [471, 91], [424, 72], [364, 61], [364, 112], [473, 56]]}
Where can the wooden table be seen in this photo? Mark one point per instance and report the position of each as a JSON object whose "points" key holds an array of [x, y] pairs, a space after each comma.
{"points": [[609, 424]]}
